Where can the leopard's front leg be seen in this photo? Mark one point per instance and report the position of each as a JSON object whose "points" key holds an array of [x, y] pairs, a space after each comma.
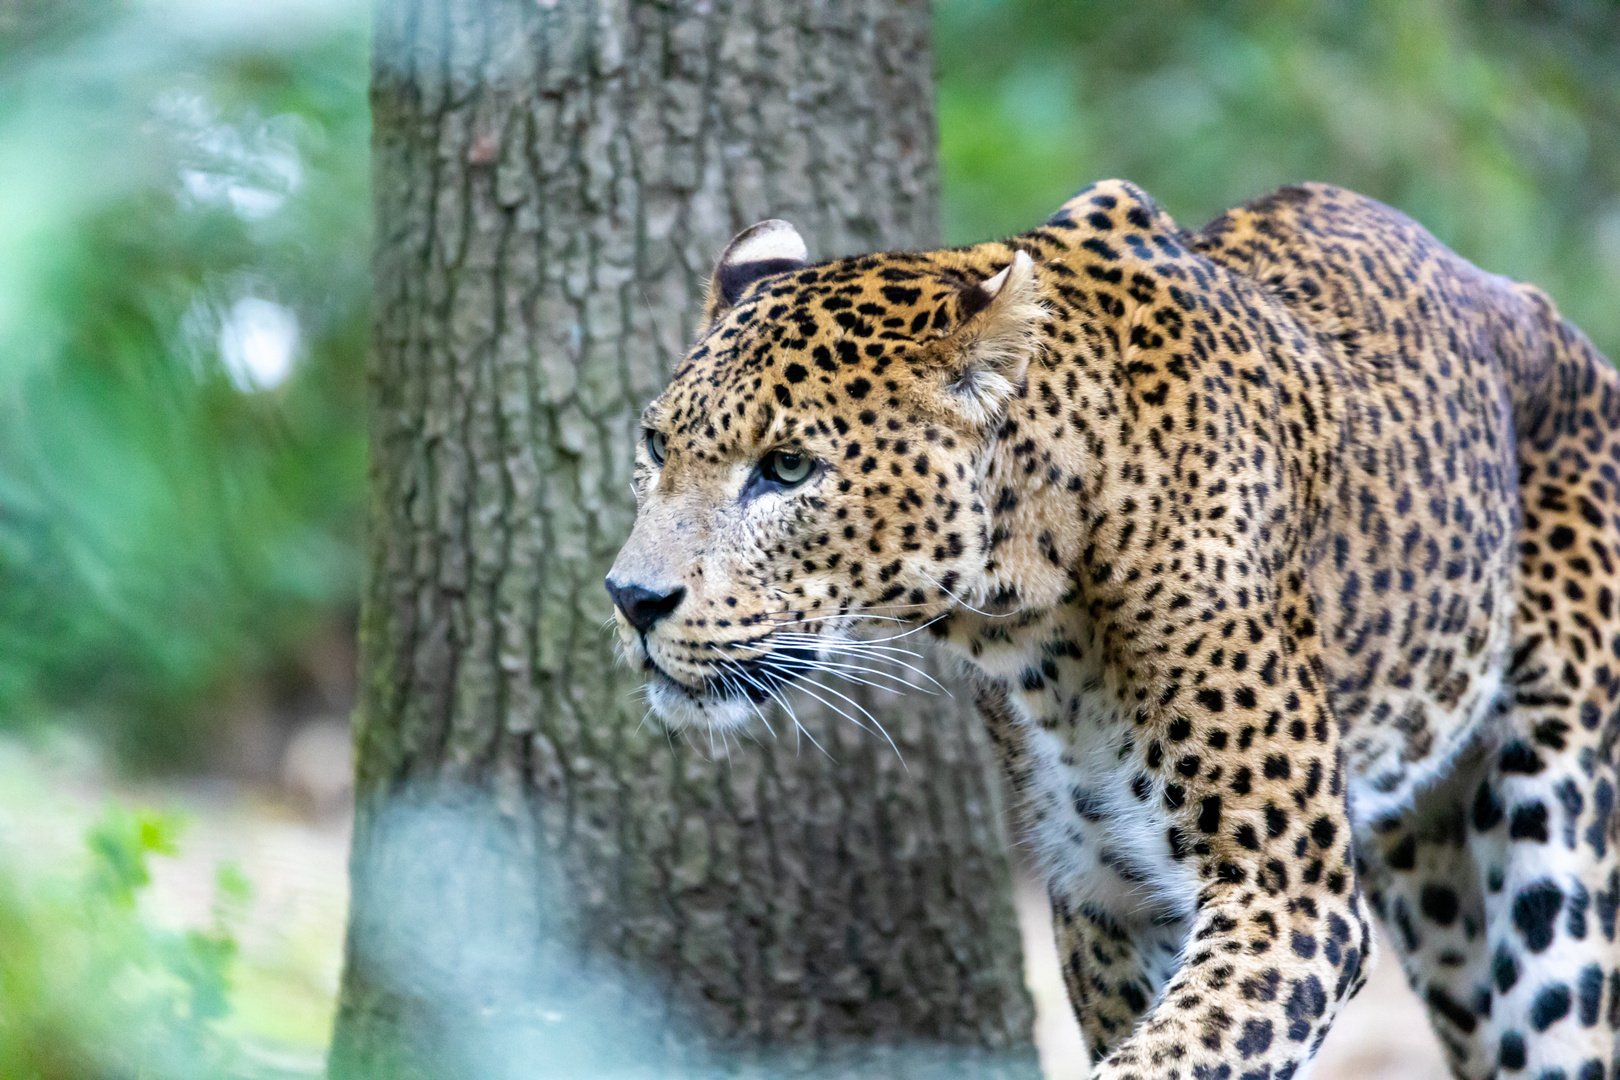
{"points": [[1113, 971], [1199, 858], [1115, 951], [1251, 783]]}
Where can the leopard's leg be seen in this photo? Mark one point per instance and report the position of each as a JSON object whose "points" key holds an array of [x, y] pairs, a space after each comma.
{"points": [[1113, 970], [1543, 823], [1279, 933], [1423, 883], [1107, 984], [1105, 967], [1115, 951], [1255, 993], [1544, 834]]}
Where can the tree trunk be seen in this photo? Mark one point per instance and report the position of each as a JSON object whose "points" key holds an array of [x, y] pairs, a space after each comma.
{"points": [[536, 870]]}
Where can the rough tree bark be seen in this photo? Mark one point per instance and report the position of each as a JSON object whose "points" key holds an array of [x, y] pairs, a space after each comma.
{"points": [[553, 179]]}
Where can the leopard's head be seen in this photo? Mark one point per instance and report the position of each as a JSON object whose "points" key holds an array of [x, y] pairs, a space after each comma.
{"points": [[816, 464]]}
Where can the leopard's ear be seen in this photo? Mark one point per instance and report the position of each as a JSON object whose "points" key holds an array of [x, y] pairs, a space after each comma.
{"points": [[990, 349], [771, 247]]}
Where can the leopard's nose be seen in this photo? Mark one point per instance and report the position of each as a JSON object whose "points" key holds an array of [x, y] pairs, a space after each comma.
{"points": [[642, 606]]}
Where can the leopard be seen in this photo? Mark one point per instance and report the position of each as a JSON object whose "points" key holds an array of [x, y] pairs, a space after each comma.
{"points": [[1281, 557]]}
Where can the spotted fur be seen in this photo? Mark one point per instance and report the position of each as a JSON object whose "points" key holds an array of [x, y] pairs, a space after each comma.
{"points": [[1283, 558]]}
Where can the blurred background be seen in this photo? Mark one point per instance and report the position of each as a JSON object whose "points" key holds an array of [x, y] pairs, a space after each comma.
{"points": [[184, 240]]}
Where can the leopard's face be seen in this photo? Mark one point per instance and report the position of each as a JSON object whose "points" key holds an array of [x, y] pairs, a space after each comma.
{"points": [[812, 468]]}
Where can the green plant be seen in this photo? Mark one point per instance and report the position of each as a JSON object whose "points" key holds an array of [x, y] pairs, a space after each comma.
{"points": [[91, 988], [1495, 125]]}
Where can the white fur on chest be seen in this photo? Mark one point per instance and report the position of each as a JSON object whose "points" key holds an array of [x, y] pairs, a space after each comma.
{"points": [[1098, 842]]}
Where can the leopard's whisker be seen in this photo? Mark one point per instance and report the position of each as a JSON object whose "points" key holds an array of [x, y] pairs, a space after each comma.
{"points": [[842, 671], [844, 644], [863, 613], [852, 613], [743, 673], [875, 721], [941, 687], [820, 644], [828, 665], [901, 684], [798, 728], [784, 624], [847, 648], [840, 615], [806, 683], [865, 656], [875, 653], [902, 634]]}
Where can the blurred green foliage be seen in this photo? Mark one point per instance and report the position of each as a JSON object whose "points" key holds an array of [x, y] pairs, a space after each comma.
{"points": [[1496, 125], [169, 527], [90, 988]]}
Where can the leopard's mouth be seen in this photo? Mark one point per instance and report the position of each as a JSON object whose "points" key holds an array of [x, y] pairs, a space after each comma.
{"points": [[756, 679], [730, 690], [730, 694]]}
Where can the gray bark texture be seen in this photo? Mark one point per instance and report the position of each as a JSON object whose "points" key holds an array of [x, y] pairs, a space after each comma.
{"points": [[553, 181]]}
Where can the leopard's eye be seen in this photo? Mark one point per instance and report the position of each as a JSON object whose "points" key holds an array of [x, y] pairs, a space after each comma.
{"points": [[786, 467], [655, 446]]}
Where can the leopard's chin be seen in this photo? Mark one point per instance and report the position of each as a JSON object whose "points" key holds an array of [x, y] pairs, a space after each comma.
{"points": [[678, 706]]}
